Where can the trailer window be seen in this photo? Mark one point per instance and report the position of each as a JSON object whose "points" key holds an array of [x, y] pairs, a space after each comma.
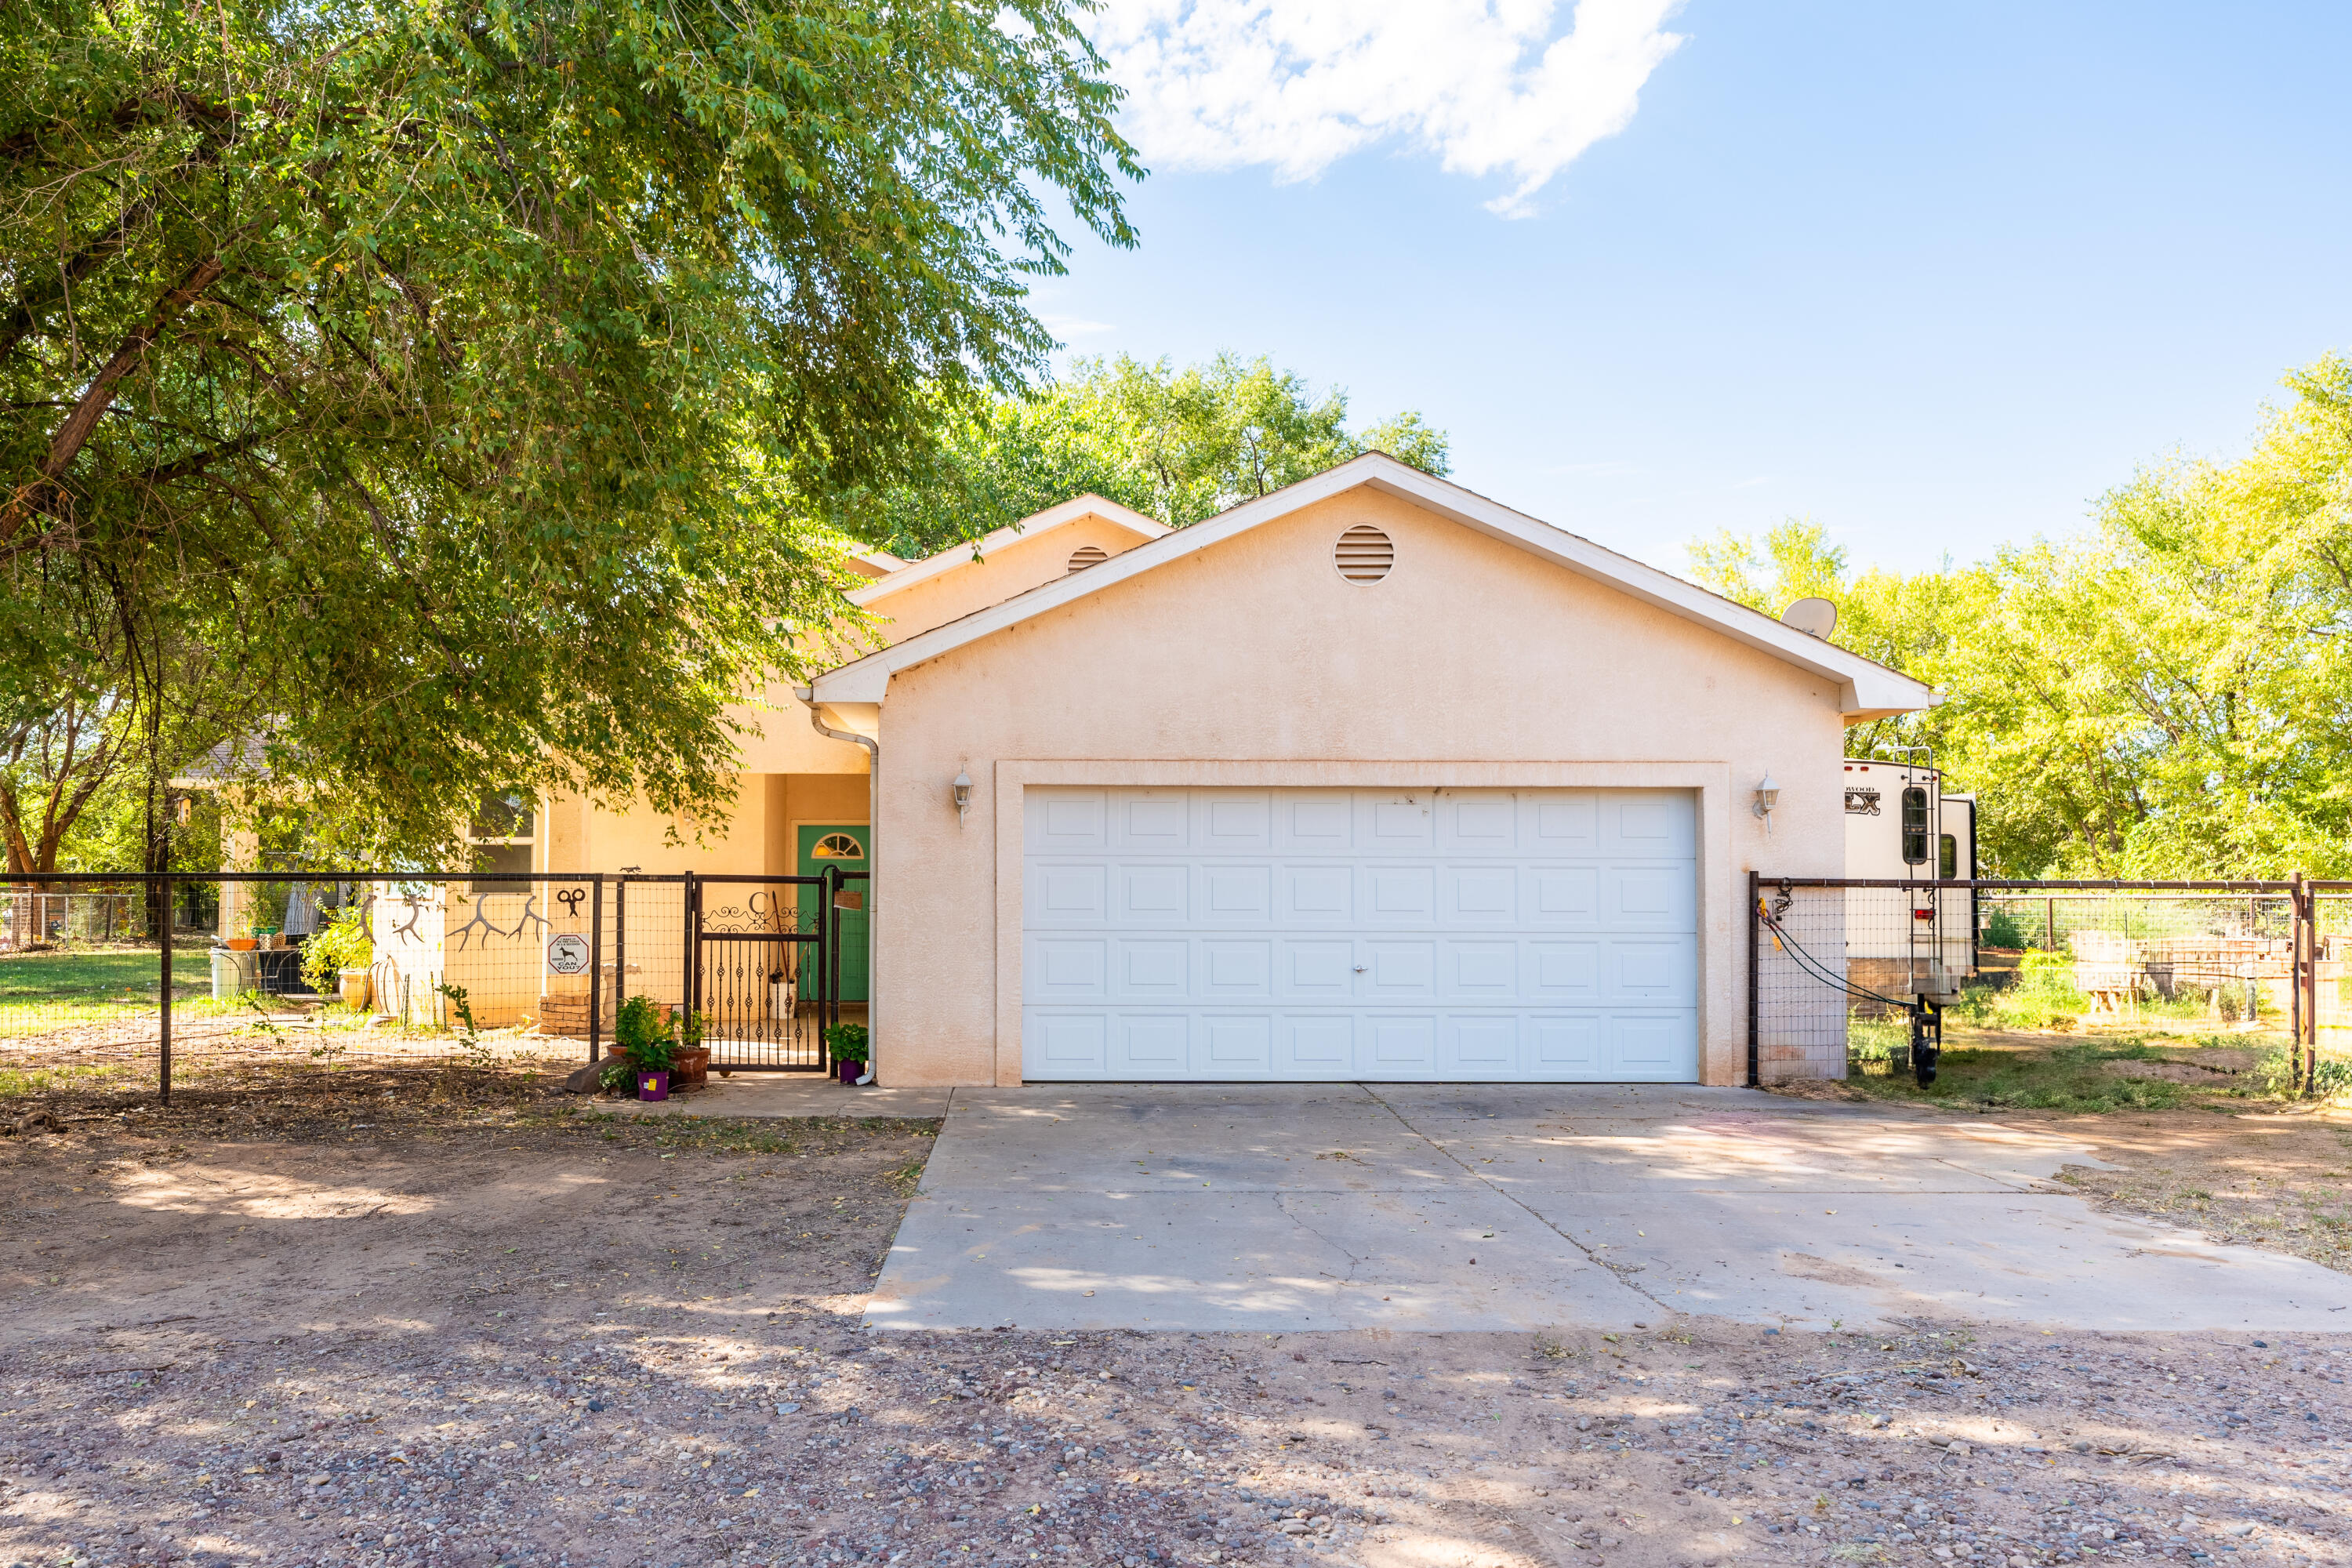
{"points": [[1915, 826], [1947, 857]]}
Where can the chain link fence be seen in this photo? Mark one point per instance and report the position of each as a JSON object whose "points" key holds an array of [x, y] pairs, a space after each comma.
{"points": [[1842, 969]]}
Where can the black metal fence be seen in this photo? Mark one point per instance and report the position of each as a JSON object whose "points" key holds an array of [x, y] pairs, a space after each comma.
{"points": [[1845, 972], [124, 984]]}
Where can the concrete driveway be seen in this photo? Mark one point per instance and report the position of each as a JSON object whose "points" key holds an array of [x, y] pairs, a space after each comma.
{"points": [[1295, 1207]]}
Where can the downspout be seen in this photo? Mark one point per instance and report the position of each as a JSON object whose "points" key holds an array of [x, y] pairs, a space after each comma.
{"points": [[873, 831]]}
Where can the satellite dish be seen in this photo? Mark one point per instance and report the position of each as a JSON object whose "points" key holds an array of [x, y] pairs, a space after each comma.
{"points": [[1814, 617]]}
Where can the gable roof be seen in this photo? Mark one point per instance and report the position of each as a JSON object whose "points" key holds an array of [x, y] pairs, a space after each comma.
{"points": [[1867, 689], [1069, 511]]}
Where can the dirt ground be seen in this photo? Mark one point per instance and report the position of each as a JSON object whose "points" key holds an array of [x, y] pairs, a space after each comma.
{"points": [[325, 1325]]}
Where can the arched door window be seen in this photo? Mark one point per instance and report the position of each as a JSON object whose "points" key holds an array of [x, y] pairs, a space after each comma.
{"points": [[837, 847]]}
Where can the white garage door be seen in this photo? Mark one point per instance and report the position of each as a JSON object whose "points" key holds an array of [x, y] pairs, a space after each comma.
{"points": [[1503, 935]]}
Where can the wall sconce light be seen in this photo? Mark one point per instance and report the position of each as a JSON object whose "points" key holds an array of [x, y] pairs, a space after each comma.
{"points": [[962, 788], [1768, 796]]}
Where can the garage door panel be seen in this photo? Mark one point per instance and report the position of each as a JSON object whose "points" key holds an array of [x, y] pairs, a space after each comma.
{"points": [[1398, 824], [1065, 821], [1558, 821], [1236, 894], [1391, 1045], [1399, 970], [1659, 969], [1315, 1045], [1561, 895], [1565, 1045], [1648, 897], [1479, 895], [1156, 894], [1480, 1045], [1475, 971], [1562, 970], [1146, 821], [1150, 1044], [1233, 822], [1479, 822], [1232, 1045], [1409, 936], [1310, 821], [1319, 897], [1648, 822], [1151, 969], [1067, 895], [1239, 969], [1316, 971], [1397, 895], [1069, 1043], [1068, 968], [1661, 1045]]}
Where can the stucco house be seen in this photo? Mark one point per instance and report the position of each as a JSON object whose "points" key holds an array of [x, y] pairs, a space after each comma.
{"points": [[1372, 778]]}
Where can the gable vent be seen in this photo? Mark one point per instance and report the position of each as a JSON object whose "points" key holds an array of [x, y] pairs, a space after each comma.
{"points": [[1086, 556], [1363, 555]]}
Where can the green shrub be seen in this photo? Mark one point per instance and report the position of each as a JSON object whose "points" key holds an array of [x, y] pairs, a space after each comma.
{"points": [[344, 944], [2043, 996], [2002, 929], [644, 1036]]}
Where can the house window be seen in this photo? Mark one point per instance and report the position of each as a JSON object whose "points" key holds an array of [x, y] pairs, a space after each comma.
{"points": [[1086, 556], [1363, 555], [837, 847], [504, 828]]}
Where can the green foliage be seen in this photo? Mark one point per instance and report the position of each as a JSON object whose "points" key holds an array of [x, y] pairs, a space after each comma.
{"points": [[342, 943], [464, 386], [1176, 445], [2042, 996], [645, 1035], [846, 1042], [2162, 697], [2002, 929]]}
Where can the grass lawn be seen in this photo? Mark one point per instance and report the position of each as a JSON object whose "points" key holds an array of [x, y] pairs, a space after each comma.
{"points": [[2115, 1069], [43, 991]]}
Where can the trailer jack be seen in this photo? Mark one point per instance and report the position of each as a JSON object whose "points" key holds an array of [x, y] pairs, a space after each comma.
{"points": [[1926, 1039]]}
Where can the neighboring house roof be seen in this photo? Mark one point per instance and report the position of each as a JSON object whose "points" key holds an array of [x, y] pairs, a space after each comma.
{"points": [[240, 760], [1072, 510], [1867, 689]]}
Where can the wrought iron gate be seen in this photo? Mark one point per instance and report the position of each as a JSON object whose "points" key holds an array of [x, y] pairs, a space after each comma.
{"points": [[757, 972]]}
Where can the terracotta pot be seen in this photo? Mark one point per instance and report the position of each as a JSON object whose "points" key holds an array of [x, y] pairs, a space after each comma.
{"points": [[653, 1086], [692, 1068]]}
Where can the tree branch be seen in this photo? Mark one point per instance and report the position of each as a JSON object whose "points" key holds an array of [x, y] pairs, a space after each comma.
{"points": [[75, 432]]}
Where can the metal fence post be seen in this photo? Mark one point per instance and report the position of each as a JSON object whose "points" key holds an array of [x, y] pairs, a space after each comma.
{"points": [[692, 986], [2305, 1004], [595, 964], [1755, 893], [163, 994]]}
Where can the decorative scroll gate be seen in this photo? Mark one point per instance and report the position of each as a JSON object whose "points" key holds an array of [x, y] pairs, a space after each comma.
{"points": [[757, 971]]}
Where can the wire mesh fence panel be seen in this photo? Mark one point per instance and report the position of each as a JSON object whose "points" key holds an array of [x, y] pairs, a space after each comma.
{"points": [[1846, 971], [329, 970]]}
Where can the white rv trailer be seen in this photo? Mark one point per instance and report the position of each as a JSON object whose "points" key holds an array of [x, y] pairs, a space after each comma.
{"points": [[1901, 827]]}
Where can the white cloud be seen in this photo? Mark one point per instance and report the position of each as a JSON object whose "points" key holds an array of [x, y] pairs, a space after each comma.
{"points": [[1491, 85]]}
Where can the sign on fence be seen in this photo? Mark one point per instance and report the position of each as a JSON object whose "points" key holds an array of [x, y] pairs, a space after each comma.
{"points": [[567, 954]]}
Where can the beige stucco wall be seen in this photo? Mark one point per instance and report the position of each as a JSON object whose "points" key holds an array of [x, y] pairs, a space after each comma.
{"points": [[1254, 663], [1009, 569]]}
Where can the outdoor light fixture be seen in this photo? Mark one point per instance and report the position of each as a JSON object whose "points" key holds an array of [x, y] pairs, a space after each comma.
{"points": [[962, 787], [1768, 796]]}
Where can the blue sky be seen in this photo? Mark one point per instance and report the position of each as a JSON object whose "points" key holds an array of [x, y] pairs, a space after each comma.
{"points": [[1934, 276]]}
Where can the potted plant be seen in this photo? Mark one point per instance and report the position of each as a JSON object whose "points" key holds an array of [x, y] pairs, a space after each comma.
{"points": [[846, 1043], [241, 938], [692, 1068], [651, 1063], [341, 954], [646, 1045]]}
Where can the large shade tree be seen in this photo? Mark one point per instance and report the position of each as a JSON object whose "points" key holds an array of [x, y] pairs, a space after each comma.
{"points": [[468, 380]]}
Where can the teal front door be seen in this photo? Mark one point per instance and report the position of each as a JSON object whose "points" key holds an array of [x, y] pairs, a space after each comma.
{"points": [[842, 845]]}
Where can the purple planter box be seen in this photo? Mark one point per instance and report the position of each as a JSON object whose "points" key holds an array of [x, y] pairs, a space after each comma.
{"points": [[653, 1086], [850, 1071]]}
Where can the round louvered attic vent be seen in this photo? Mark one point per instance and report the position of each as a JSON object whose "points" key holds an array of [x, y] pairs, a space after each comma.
{"points": [[1086, 556], [1363, 555]]}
